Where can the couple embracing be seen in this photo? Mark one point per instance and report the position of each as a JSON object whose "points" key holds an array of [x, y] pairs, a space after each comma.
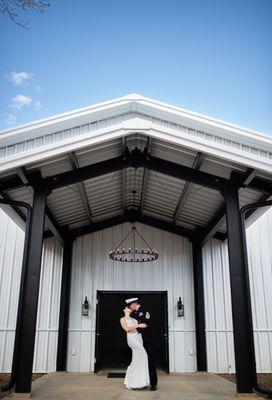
{"points": [[141, 372]]}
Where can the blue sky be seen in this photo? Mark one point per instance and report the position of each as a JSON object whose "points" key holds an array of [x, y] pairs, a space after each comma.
{"points": [[209, 56]]}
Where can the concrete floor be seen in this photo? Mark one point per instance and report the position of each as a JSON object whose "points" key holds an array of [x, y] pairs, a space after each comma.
{"points": [[72, 386]]}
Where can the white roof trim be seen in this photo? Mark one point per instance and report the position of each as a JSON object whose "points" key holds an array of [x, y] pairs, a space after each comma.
{"points": [[149, 117]]}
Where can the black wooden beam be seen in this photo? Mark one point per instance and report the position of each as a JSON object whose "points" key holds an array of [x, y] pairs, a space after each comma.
{"points": [[123, 178], [87, 172], [201, 350], [138, 159], [16, 209], [260, 185], [165, 226], [263, 198], [213, 226], [133, 216], [185, 173], [50, 220], [187, 187], [57, 231], [30, 293], [12, 381], [96, 226], [82, 190], [64, 306], [145, 178], [219, 218], [240, 293]]}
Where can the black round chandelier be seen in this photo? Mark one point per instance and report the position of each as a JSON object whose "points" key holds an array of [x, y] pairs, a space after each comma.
{"points": [[133, 254]]}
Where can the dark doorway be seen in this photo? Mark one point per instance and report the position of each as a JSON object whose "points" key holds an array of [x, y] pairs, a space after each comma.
{"points": [[112, 350]]}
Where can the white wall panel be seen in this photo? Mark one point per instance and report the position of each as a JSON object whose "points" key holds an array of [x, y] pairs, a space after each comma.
{"points": [[259, 241], [219, 329], [11, 252], [48, 308], [218, 316], [93, 270]]}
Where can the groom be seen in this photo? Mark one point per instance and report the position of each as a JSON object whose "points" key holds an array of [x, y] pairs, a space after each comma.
{"points": [[142, 316]]}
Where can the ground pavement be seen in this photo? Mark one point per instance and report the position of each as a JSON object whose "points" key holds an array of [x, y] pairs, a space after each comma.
{"points": [[83, 386]]}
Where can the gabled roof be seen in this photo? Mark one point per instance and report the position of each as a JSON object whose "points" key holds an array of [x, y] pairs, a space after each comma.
{"points": [[93, 134], [115, 118]]}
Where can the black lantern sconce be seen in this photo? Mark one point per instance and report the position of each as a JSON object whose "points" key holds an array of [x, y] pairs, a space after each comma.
{"points": [[85, 307], [180, 308]]}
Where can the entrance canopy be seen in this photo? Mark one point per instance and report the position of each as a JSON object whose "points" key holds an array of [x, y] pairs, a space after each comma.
{"points": [[134, 158]]}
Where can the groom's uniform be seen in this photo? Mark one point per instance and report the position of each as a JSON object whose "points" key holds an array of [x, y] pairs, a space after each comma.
{"points": [[144, 317]]}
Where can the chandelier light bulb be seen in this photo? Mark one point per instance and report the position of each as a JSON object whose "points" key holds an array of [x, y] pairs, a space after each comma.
{"points": [[121, 253]]}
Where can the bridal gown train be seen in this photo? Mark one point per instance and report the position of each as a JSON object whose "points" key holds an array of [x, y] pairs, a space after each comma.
{"points": [[137, 374]]}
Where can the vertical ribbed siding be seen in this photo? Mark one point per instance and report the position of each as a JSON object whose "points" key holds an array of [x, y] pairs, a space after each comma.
{"points": [[218, 302], [219, 330], [48, 308], [11, 252], [259, 241], [93, 270]]}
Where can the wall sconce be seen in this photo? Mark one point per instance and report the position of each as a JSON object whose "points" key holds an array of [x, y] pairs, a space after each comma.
{"points": [[85, 307], [180, 308]]}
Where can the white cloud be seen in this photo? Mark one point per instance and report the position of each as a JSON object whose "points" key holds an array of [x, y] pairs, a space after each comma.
{"points": [[11, 119], [38, 105], [20, 101], [19, 78]]}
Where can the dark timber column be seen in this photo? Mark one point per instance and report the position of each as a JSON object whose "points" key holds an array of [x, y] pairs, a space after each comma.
{"points": [[201, 351], [241, 312], [30, 293], [64, 307]]}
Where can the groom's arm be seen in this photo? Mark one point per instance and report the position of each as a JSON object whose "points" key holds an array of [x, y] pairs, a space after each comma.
{"points": [[144, 318]]}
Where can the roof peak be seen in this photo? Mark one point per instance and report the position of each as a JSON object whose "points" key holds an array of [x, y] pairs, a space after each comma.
{"points": [[134, 96]]}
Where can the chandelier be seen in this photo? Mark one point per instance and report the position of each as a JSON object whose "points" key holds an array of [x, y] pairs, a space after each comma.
{"points": [[133, 253]]}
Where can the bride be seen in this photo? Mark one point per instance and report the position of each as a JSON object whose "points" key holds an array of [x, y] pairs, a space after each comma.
{"points": [[137, 374]]}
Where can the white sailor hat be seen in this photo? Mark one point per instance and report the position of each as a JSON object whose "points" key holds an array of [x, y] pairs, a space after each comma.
{"points": [[132, 300]]}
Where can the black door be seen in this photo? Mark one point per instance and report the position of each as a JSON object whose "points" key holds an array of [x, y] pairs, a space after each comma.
{"points": [[111, 349]]}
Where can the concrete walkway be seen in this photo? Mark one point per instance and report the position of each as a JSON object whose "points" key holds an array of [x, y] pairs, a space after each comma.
{"points": [[73, 386]]}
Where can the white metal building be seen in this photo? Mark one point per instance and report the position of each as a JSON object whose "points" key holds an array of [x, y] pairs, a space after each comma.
{"points": [[178, 194]]}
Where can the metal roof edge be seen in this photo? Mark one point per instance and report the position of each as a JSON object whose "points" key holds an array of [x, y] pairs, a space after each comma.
{"points": [[54, 122]]}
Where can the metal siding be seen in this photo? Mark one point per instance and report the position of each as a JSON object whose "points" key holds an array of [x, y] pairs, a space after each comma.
{"points": [[200, 205], [48, 308], [51, 138], [219, 331], [105, 194], [219, 328], [162, 194], [11, 252], [93, 270], [259, 240]]}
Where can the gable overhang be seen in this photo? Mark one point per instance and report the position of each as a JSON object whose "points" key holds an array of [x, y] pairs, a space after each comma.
{"points": [[146, 116], [100, 135]]}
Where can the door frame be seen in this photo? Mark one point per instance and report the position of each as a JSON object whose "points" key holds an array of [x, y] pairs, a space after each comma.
{"points": [[99, 293]]}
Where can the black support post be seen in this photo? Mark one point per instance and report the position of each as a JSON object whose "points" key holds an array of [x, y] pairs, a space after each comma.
{"points": [[30, 292], [64, 307], [201, 351], [241, 310]]}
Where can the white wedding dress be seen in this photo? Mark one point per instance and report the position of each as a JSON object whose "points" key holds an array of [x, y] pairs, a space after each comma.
{"points": [[137, 374]]}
